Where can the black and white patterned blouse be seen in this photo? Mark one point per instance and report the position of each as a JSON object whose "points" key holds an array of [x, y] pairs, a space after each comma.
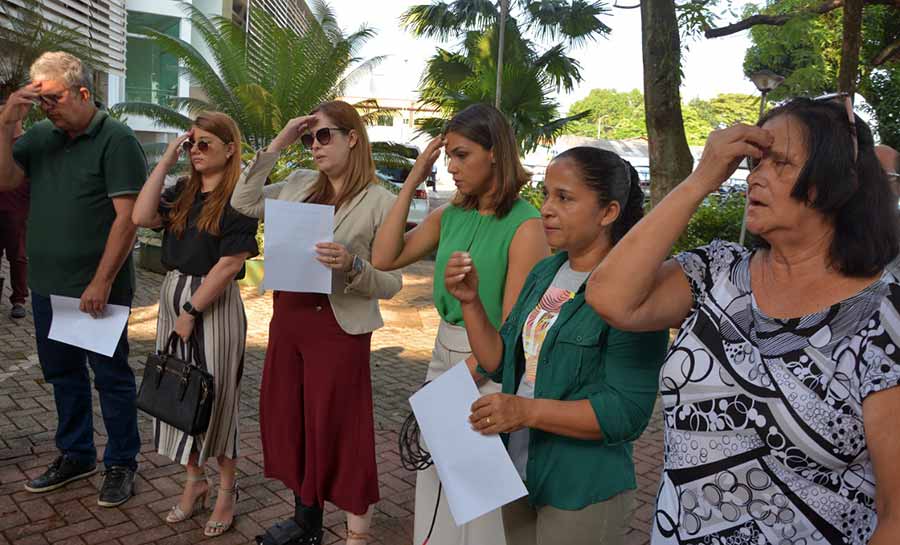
{"points": [[763, 417]]}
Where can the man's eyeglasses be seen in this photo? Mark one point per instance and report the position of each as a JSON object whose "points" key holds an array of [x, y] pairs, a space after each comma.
{"points": [[51, 100], [323, 135], [202, 145]]}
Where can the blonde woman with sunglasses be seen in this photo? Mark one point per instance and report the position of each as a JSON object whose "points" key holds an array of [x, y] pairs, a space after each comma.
{"points": [[316, 400], [205, 244]]}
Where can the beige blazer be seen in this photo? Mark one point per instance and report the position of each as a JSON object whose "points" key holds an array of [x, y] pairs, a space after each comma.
{"points": [[354, 297]]}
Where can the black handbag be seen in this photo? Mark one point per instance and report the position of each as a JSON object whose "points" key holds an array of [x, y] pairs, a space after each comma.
{"points": [[176, 391]]}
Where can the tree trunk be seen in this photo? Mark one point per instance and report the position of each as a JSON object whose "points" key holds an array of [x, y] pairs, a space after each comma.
{"points": [[670, 156], [847, 77]]}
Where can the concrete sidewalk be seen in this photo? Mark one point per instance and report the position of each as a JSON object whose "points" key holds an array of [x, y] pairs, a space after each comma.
{"points": [[70, 516]]}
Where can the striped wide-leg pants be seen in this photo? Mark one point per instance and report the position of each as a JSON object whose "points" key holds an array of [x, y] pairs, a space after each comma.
{"points": [[221, 335]]}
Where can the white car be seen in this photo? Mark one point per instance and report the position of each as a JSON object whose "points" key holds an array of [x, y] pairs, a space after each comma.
{"points": [[419, 207], [393, 176]]}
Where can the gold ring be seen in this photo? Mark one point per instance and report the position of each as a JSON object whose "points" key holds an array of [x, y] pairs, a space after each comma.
{"points": [[488, 420]]}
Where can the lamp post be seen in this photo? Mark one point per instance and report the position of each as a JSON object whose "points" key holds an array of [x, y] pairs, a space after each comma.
{"points": [[504, 11], [765, 81]]}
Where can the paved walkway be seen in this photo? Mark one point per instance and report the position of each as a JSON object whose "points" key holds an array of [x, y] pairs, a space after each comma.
{"points": [[70, 516]]}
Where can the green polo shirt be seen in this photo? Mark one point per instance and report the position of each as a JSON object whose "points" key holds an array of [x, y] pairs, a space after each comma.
{"points": [[71, 211], [582, 357]]}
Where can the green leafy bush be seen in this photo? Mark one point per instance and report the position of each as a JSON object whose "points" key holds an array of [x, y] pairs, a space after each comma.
{"points": [[533, 192], [718, 217]]}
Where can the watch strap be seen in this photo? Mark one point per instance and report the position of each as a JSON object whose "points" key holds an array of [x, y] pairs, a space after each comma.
{"points": [[189, 308]]}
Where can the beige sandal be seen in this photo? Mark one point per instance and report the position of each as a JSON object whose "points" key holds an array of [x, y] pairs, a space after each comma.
{"points": [[215, 528], [177, 515], [359, 536]]}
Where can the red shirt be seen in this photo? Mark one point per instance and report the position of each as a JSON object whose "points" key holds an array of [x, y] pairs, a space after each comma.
{"points": [[19, 198], [16, 200]]}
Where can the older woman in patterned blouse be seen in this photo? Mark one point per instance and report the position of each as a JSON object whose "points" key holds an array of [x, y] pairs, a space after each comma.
{"points": [[779, 392]]}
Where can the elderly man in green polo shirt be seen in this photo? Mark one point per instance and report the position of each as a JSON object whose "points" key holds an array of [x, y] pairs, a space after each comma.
{"points": [[85, 170]]}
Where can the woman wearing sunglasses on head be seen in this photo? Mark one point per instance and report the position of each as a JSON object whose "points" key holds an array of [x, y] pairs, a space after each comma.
{"points": [[502, 232], [779, 393], [316, 400], [205, 244]]}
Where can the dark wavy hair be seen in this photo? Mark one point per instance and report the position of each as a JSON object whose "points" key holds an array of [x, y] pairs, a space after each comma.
{"points": [[612, 179], [854, 195]]}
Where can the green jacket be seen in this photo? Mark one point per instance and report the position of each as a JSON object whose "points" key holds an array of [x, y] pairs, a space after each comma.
{"points": [[582, 357]]}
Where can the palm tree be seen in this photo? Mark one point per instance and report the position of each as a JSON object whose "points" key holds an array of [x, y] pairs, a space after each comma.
{"points": [[456, 78], [26, 36], [261, 80]]}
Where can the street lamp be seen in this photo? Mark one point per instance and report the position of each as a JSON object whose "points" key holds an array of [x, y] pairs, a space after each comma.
{"points": [[504, 13], [765, 81]]}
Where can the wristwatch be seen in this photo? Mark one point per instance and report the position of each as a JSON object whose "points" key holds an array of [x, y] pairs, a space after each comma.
{"points": [[357, 266], [189, 308]]}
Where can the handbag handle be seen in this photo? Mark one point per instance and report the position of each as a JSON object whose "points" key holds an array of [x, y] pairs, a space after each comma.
{"points": [[193, 348]]}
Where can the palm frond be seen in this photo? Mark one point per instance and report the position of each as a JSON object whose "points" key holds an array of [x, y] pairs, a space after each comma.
{"points": [[431, 126], [564, 71], [577, 20], [437, 20], [356, 73], [163, 116]]}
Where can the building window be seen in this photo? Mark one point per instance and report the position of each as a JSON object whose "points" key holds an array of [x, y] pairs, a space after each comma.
{"points": [[384, 120], [151, 75]]}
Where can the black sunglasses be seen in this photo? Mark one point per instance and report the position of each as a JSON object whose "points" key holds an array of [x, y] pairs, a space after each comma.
{"points": [[202, 145], [323, 135]]}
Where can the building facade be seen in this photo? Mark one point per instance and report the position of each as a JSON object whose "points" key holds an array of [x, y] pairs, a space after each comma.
{"points": [[153, 75], [101, 22]]}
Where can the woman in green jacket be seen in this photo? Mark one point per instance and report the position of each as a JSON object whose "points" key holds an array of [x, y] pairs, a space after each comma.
{"points": [[575, 392]]}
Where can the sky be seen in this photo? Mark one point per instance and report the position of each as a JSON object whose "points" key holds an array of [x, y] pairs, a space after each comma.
{"points": [[710, 66]]}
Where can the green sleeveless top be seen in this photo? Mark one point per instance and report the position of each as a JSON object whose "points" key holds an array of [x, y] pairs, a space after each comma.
{"points": [[487, 240]]}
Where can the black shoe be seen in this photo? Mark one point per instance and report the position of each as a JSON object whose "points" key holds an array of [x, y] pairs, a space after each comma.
{"points": [[17, 312], [288, 532], [61, 472], [118, 486]]}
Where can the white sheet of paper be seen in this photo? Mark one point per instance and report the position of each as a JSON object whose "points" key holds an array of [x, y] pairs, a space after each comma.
{"points": [[292, 230], [71, 326], [476, 471]]}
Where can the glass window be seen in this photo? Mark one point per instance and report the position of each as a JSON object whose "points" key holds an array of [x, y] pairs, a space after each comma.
{"points": [[151, 75], [385, 120]]}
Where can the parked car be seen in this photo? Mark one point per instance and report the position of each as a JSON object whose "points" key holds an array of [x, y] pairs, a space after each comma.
{"points": [[389, 156], [419, 207]]}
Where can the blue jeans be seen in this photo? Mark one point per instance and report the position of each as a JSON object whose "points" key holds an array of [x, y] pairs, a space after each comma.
{"points": [[64, 367]]}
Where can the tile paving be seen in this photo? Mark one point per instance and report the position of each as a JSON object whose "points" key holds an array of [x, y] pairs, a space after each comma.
{"points": [[70, 516]]}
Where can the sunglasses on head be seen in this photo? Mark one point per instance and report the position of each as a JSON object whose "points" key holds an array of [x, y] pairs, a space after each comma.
{"points": [[323, 136], [845, 100], [202, 145]]}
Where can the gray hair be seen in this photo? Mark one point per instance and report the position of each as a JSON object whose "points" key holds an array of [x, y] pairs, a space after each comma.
{"points": [[61, 66]]}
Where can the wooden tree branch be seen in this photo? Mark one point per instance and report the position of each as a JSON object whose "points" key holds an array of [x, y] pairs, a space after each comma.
{"points": [[852, 37], [891, 52], [635, 6], [779, 20], [773, 20]]}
